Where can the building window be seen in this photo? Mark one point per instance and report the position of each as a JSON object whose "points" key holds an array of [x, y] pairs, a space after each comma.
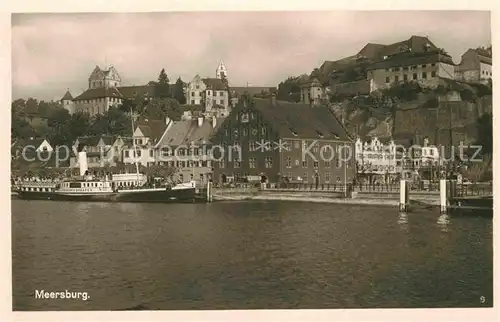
{"points": [[304, 164], [139, 153], [328, 164], [387, 79], [396, 78], [288, 162], [327, 177], [252, 163], [269, 162], [221, 102], [433, 64], [405, 77], [304, 178], [126, 154], [433, 74], [316, 164], [252, 146], [192, 102], [424, 75], [245, 132], [151, 153], [415, 76], [192, 93], [237, 164], [424, 65], [222, 164]]}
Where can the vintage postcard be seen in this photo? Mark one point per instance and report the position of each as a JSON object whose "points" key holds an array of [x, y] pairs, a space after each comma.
{"points": [[242, 160]]}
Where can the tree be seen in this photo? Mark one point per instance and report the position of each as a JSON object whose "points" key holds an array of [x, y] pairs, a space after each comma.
{"points": [[21, 129], [79, 124], [226, 85], [179, 91], [162, 88], [118, 121], [289, 90], [59, 124]]}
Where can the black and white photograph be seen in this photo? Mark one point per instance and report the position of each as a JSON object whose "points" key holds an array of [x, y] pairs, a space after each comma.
{"points": [[251, 160]]}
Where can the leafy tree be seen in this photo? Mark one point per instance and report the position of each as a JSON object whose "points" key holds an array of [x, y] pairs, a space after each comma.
{"points": [[119, 123], [226, 85], [289, 90], [59, 124], [162, 88], [79, 124], [179, 91], [21, 129]]}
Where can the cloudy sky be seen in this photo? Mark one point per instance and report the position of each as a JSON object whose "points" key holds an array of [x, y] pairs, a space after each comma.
{"points": [[53, 52]]}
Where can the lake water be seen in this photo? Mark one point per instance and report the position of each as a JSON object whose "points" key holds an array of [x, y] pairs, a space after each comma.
{"points": [[247, 255]]}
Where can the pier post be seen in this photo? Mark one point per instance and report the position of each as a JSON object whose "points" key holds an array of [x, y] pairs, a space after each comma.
{"points": [[404, 198], [443, 196], [209, 191]]}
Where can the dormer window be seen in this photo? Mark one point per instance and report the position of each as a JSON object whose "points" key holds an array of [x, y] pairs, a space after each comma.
{"points": [[335, 135], [319, 134], [293, 132]]}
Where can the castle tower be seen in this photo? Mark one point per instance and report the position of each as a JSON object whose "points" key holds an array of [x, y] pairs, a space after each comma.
{"points": [[221, 70], [67, 102]]}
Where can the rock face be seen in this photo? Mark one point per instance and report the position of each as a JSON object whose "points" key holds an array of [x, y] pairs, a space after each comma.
{"points": [[433, 116]]}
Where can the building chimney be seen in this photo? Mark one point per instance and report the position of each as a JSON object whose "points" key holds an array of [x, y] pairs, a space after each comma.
{"points": [[273, 99], [82, 160], [214, 121], [200, 121]]}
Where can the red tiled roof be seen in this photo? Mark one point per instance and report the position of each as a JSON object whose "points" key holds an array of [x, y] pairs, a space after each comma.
{"points": [[132, 91], [214, 84], [411, 58], [416, 44], [67, 96], [371, 51], [301, 120], [99, 93], [252, 90], [153, 129]]}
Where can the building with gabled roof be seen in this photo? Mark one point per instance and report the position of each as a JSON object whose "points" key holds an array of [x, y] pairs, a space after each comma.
{"points": [[476, 65], [423, 67], [209, 93], [276, 140], [185, 145]]}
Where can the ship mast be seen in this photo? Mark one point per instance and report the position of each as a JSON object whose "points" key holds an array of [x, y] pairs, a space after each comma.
{"points": [[133, 144]]}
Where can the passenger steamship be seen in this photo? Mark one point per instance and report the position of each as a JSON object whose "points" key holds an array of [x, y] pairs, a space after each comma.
{"points": [[88, 188]]}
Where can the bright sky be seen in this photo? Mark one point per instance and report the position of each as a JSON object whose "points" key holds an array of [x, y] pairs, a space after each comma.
{"points": [[53, 52]]}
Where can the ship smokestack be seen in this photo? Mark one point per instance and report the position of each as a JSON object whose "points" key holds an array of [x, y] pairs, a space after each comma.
{"points": [[82, 160]]}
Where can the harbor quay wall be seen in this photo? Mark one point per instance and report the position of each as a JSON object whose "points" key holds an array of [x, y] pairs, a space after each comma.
{"points": [[358, 198]]}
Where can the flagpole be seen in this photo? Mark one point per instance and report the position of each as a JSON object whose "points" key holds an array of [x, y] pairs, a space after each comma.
{"points": [[133, 143]]}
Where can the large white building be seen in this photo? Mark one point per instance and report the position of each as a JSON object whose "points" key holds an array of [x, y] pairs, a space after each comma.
{"points": [[211, 93], [375, 157]]}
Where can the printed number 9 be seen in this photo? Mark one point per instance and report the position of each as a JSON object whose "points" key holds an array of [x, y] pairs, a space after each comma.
{"points": [[482, 299]]}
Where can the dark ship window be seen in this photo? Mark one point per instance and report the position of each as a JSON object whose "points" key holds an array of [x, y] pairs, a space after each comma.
{"points": [[75, 185]]}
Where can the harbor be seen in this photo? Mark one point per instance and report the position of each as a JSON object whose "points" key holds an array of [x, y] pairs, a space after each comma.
{"points": [[258, 254]]}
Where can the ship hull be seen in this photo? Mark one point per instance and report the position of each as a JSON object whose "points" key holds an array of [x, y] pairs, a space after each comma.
{"points": [[157, 195], [151, 196]]}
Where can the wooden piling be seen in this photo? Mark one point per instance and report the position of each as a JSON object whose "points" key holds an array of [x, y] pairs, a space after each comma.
{"points": [[404, 198], [444, 196]]}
